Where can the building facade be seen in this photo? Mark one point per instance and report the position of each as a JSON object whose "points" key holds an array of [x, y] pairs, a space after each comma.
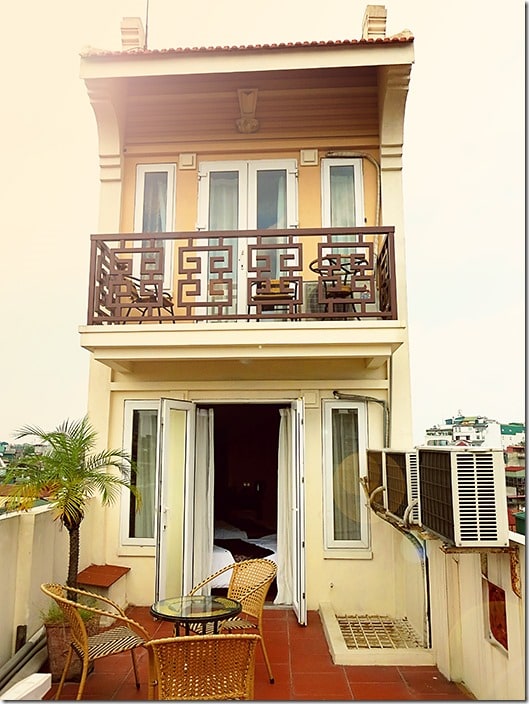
{"points": [[248, 337], [247, 315]]}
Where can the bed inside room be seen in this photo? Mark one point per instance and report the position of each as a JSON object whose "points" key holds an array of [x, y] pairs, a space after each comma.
{"points": [[246, 484]]}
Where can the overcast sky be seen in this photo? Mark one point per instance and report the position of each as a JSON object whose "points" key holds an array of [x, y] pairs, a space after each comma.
{"points": [[464, 180]]}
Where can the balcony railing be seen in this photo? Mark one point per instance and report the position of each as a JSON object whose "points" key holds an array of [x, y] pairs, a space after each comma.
{"points": [[291, 275]]}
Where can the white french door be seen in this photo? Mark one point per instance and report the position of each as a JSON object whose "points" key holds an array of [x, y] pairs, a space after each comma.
{"points": [[175, 498], [299, 600], [245, 195]]}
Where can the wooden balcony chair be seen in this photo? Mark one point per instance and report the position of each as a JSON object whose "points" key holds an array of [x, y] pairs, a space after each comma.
{"points": [[249, 583], [335, 281], [124, 635], [213, 667], [273, 295], [148, 296]]}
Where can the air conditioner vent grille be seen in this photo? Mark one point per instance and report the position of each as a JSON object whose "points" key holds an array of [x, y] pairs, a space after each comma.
{"points": [[435, 485], [476, 494], [413, 487], [397, 494]]}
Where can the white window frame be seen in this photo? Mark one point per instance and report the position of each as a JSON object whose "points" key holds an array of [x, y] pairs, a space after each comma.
{"points": [[290, 167], [205, 169], [326, 165], [129, 407], [330, 543], [141, 171]]}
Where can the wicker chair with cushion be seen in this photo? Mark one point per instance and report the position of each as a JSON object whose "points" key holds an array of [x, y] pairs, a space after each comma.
{"points": [[202, 667], [124, 635], [249, 584]]}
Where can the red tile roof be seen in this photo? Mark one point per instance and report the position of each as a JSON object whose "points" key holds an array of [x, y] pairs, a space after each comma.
{"points": [[402, 38]]}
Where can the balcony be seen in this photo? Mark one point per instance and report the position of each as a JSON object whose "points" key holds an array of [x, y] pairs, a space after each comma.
{"points": [[335, 274]]}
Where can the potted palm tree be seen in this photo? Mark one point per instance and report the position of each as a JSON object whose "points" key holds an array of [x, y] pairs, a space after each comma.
{"points": [[68, 473]]}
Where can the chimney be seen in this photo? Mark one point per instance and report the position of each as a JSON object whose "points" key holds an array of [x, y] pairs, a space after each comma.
{"points": [[132, 33], [374, 23]]}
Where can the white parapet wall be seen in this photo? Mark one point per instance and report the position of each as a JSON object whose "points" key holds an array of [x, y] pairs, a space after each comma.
{"points": [[474, 595], [31, 688], [34, 549]]}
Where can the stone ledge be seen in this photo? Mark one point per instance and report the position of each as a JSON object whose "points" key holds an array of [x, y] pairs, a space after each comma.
{"points": [[101, 575]]}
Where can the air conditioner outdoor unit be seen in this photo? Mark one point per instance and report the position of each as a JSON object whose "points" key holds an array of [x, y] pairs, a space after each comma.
{"points": [[396, 471], [463, 495], [310, 298]]}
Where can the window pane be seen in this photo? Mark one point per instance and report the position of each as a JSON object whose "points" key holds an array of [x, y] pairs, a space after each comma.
{"points": [[343, 208], [223, 215], [272, 213], [154, 216], [155, 202], [271, 199], [345, 475], [143, 453], [224, 200]]}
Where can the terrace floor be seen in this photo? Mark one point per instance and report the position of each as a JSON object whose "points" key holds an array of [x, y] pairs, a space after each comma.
{"points": [[301, 663]]}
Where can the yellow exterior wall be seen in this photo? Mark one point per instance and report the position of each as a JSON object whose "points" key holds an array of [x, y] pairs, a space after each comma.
{"points": [[350, 572], [309, 185]]}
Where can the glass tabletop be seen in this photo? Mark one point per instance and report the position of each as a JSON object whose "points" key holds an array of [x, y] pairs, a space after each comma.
{"points": [[196, 608]]}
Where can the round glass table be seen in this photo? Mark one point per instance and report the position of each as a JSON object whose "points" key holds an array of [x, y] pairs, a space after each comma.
{"points": [[187, 610]]}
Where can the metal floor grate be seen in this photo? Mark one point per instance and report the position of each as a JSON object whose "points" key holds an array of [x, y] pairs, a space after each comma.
{"points": [[377, 632]]}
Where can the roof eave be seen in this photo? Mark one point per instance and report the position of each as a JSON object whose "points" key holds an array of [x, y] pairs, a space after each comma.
{"points": [[139, 63]]}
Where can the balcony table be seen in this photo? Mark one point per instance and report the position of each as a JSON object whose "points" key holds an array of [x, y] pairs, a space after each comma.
{"points": [[185, 610]]}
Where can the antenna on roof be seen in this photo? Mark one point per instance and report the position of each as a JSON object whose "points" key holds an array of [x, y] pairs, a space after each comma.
{"points": [[146, 21]]}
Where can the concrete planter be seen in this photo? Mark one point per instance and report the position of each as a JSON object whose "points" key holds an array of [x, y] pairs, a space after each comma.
{"points": [[59, 637]]}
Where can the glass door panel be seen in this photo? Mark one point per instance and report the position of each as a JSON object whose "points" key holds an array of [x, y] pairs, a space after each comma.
{"points": [[342, 187], [271, 213], [222, 207], [299, 601], [174, 539]]}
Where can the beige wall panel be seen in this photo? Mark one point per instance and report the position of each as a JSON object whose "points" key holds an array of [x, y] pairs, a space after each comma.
{"points": [[186, 200], [129, 190], [269, 371], [309, 198]]}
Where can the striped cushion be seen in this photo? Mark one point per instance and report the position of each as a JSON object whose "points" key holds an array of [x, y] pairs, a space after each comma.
{"points": [[233, 624], [115, 640]]}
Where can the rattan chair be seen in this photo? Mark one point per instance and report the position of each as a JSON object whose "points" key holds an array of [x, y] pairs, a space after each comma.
{"points": [[249, 584], [202, 667], [125, 634]]}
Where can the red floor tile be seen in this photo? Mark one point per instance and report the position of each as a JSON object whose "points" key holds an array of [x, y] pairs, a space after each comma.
{"points": [[278, 649], [322, 686], [301, 663], [381, 691], [373, 673]]}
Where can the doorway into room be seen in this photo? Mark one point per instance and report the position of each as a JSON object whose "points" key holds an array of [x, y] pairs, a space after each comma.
{"points": [[231, 488]]}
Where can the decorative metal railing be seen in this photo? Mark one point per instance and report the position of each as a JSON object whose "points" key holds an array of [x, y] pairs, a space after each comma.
{"points": [[291, 275]]}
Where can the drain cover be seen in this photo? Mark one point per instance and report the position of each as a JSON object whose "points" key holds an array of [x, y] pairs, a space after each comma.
{"points": [[368, 631]]}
